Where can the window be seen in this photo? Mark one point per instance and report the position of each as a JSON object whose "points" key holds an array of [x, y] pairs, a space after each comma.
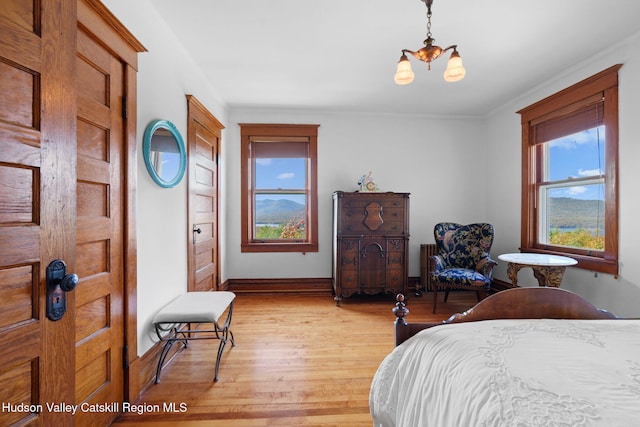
{"points": [[279, 188], [570, 173]]}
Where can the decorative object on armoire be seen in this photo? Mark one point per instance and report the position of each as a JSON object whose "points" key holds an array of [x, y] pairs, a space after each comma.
{"points": [[164, 153], [367, 184], [370, 243], [455, 70]]}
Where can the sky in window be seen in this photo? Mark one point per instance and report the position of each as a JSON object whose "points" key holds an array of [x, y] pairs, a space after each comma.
{"points": [[577, 156], [281, 173]]}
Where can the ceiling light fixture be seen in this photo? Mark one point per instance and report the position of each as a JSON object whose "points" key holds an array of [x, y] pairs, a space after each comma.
{"points": [[455, 71]]}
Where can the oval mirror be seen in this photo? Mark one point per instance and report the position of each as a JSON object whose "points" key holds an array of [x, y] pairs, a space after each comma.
{"points": [[164, 153]]}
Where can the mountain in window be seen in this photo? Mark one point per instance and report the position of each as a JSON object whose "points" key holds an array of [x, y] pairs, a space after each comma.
{"points": [[271, 211], [566, 212]]}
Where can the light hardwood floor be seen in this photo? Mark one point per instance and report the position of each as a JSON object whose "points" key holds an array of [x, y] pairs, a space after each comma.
{"points": [[298, 361]]}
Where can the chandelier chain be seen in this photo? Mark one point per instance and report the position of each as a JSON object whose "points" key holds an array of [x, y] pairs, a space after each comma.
{"points": [[429, 23]]}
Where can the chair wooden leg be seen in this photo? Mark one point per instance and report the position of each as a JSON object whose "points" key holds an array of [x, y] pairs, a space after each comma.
{"points": [[435, 296], [446, 294]]}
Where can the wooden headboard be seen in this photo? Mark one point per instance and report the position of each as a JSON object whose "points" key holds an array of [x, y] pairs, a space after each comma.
{"points": [[517, 303]]}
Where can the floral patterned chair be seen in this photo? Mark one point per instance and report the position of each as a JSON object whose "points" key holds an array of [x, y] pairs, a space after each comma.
{"points": [[463, 260]]}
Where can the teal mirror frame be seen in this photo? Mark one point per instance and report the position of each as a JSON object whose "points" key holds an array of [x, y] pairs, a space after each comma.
{"points": [[153, 155]]}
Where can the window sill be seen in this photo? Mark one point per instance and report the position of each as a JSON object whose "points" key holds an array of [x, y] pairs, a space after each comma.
{"points": [[279, 247]]}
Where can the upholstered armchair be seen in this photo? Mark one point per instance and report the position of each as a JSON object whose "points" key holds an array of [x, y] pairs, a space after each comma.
{"points": [[463, 260]]}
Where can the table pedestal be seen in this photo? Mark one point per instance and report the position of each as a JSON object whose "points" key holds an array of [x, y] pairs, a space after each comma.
{"points": [[547, 275], [548, 269]]}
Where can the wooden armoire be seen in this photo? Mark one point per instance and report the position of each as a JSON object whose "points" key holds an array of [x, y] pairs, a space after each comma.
{"points": [[370, 243]]}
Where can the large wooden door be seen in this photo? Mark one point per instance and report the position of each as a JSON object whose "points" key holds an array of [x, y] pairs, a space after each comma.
{"points": [[63, 145], [37, 207], [99, 337], [203, 139]]}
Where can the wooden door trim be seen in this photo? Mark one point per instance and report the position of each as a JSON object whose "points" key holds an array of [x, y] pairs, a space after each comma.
{"points": [[198, 113], [132, 388], [100, 23]]}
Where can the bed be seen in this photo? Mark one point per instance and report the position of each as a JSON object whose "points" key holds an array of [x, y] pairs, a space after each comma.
{"points": [[521, 357]]}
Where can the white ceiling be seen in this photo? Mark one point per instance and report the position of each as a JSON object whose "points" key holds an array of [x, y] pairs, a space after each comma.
{"points": [[342, 54]]}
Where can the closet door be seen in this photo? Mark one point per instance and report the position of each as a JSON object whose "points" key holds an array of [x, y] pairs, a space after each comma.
{"points": [[37, 207], [203, 139], [99, 330]]}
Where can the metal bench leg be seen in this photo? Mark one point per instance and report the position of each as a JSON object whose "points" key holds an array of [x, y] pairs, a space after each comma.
{"points": [[225, 335], [169, 341], [163, 355]]}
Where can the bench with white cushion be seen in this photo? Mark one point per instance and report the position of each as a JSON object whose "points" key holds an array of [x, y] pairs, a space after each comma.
{"points": [[194, 308]]}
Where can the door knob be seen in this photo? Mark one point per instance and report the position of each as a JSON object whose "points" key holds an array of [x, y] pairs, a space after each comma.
{"points": [[58, 284], [195, 230]]}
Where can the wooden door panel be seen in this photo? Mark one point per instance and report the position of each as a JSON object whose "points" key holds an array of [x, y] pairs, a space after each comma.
{"points": [[20, 379], [57, 197], [19, 14], [16, 202], [99, 323], [92, 141], [18, 90], [204, 209], [205, 175], [17, 289], [95, 196], [204, 203], [37, 200], [20, 146], [204, 145], [21, 344]]}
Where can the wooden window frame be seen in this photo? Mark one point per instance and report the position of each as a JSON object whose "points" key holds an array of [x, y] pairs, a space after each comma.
{"points": [[272, 132], [604, 86]]}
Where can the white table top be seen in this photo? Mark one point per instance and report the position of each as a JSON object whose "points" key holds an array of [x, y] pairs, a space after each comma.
{"points": [[538, 259]]}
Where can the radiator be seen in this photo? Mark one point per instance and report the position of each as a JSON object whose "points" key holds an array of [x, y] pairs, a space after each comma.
{"points": [[426, 251]]}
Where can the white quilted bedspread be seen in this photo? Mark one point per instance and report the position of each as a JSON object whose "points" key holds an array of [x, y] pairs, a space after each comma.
{"points": [[512, 373]]}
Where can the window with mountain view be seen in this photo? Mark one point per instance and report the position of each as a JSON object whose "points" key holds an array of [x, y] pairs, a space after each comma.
{"points": [[570, 169], [571, 191], [279, 200]]}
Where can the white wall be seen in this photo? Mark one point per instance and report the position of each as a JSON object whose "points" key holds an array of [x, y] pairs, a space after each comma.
{"points": [[460, 169], [620, 295], [434, 159], [166, 75]]}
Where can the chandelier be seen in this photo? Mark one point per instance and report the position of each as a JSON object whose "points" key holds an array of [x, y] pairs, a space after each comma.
{"points": [[454, 72]]}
